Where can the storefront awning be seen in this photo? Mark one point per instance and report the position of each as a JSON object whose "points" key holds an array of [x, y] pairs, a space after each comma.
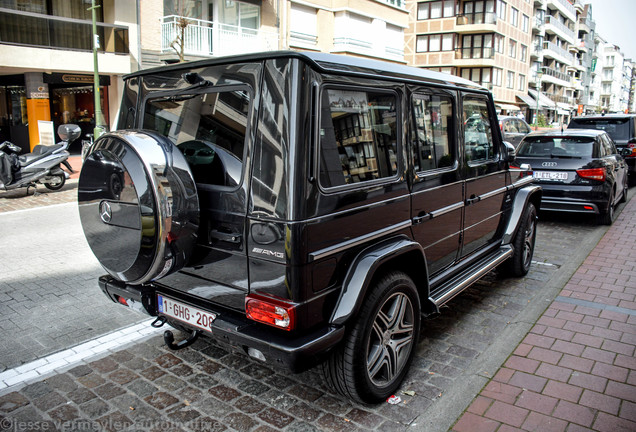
{"points": [[544, 101], [526, 99], [563, 112], [563, 106], [507, 106]]}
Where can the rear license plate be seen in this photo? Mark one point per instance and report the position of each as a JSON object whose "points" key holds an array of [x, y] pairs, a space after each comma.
{"points": [[185, 313], [550, 175]]}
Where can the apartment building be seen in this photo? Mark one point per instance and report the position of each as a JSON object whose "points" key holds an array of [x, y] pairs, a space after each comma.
{"points": [[192, 29], [584, 54], [555, 62], [486, 41], [46, 64]]}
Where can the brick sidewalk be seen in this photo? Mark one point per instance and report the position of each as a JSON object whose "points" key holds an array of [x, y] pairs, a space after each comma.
{"points": [[576, 368]]}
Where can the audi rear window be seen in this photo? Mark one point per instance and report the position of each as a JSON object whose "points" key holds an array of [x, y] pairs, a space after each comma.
{"points": [[618, 129], [557, 147]]}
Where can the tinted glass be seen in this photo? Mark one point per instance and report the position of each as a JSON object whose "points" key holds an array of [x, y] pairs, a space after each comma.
{"points": [[478, 143], [553, 147], [433, 132], [618, 129], [358, 136], [208, 128]]}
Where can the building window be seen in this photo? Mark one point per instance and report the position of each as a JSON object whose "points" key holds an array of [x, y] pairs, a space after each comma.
{"points": [[435, 9], [435, 43], [514, 16], [499, 44], [479, 75], [524, 53], [496, 73], [480, 11], [477, 46], [525, 23], [512, 48], [501, 9], [522, 83], [510, 79], [304, 25]]}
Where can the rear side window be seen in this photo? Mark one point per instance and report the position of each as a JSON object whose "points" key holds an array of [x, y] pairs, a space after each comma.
{"points": [[478, 137], [551, 147], [358, 136], [208, 128], [618, 129], [434, 132]]}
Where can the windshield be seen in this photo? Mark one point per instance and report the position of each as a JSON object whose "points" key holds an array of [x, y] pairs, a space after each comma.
{"points": [[555, 147], [617, 129], [208, 128]]}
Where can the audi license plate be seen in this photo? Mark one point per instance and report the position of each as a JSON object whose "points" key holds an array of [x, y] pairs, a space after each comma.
{"points": [[185, 313], [550, 175]]}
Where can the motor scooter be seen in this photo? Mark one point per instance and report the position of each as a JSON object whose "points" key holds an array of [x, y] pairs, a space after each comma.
{"points": [[41, 166]]}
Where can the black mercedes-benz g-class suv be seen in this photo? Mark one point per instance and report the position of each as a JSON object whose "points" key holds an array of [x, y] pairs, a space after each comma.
{"points": [[304, 208]]}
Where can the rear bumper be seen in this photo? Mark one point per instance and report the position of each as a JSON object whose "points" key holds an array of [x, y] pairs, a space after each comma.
{"points": [[294, 352], [575, 199]]}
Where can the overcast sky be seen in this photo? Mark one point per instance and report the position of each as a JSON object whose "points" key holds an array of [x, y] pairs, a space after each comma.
{"points": [[616, 23]]}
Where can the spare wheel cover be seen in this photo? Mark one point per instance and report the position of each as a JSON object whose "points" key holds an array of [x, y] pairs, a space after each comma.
{"points": [[138, 205]]}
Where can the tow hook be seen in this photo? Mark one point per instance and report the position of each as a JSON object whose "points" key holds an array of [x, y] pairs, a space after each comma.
{"points": [[168, 337]]}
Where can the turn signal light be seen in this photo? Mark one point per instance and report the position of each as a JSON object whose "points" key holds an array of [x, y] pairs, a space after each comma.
{"points": [[592, 174], [270, 311]]}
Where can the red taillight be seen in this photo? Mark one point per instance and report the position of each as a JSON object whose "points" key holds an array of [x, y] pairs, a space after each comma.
{"points": [[632, 147], [270, 311], [592, 174], [122, 300]]}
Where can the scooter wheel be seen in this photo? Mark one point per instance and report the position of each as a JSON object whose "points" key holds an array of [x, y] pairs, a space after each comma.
{"points": [[58, 184]]}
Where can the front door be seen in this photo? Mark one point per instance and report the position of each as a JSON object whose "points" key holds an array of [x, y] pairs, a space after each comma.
{"points": [[484, 175]]}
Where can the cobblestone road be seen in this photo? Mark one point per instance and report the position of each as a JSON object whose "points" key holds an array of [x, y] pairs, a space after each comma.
{"points": [[208, 387]]}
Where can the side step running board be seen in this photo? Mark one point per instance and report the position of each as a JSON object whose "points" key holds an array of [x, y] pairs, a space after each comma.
{"points": [[471, 275]]}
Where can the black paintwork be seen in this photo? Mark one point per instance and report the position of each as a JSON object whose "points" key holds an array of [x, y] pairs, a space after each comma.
{"points": [[281, 232], [577, 194]]}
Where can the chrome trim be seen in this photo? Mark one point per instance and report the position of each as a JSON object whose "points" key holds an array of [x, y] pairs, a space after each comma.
{"points": [[405, 196], [521, 182], [506, 252], [493, 193], [447, 209], [339, 247]]}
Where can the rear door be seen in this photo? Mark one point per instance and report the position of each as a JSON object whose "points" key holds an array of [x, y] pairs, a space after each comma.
{"points": [[437, 199], [484, 174]]}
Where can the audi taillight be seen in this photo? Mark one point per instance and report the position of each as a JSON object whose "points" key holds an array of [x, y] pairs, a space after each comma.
{"points": [[592, 174], [271, 311]]}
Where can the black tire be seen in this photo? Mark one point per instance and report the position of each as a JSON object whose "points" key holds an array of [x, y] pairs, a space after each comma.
{"points": [[523, 244], [607, 217], [59, 184], [378, 348]]}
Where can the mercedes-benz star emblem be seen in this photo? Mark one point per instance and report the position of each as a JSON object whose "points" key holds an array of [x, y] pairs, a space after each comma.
{"points": [[105, 212]]}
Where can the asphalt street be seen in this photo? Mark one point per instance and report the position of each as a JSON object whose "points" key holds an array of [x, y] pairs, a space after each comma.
{"points": [[50, 301]]}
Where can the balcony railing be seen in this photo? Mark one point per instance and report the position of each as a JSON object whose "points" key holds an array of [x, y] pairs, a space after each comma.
{"points": [[475, 53], [551, 46], [560, 99], [477, 18], [397, 3], [553, 21], [556, 74], [566, 5], [537, 22], [47, 31], [211, 38]]}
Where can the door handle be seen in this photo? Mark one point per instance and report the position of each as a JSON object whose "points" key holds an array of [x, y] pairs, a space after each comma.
{"points": [[422, 217], [472, 200]]}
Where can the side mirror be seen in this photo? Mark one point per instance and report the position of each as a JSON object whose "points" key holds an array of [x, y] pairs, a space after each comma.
{"points": [[625, 151], [510, 151], [69, 132]]}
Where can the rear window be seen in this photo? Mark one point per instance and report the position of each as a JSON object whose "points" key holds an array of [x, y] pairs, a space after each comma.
{"points": [[208, 128], [618, 129], [553, 147]]}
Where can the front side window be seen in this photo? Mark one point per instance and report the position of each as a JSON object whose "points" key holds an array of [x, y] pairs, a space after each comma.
{"points": [[208, 128], [358, 136], [434, 132], [478, 142]]}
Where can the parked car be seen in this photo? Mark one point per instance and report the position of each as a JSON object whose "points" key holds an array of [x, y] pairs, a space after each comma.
{"points": [[513, 129], [579, 170], [306, 207], [620, 127]]}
